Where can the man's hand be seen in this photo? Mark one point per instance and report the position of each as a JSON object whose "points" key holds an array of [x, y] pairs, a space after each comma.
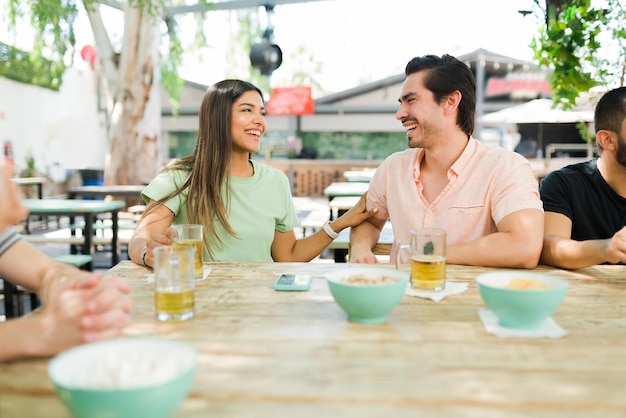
{"points": [[364, 257], [616, 247], [82, 309]]}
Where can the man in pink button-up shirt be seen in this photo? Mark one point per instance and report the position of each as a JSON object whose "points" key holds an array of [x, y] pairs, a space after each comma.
{"points": [[485, 198]]}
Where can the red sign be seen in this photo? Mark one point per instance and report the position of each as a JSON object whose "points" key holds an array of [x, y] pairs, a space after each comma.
{"points": [[534, 86], [291, 101]]}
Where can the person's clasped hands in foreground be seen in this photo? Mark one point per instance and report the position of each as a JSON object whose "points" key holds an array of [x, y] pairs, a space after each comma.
{"points": [[77, 306]]}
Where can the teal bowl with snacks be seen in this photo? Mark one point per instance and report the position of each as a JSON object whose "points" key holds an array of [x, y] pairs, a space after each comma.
{"points": [[521, 299], [367, 294], [124, 378]]}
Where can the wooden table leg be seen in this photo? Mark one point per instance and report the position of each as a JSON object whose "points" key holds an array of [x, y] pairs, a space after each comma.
{"points": [[340, 255], [115, 251], [10, 291], [88, 247]]}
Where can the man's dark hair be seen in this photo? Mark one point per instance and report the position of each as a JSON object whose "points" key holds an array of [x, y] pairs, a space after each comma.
{"points": [[611, 111], [445, 75]]}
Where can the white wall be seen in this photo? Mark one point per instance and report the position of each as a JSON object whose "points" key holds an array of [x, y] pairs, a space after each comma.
{"points": [[56, 127]]}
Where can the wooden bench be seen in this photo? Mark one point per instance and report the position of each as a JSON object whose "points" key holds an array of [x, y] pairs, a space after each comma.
{"points": [[76, 260], [43, 239], [104, 224], [73, 240]]}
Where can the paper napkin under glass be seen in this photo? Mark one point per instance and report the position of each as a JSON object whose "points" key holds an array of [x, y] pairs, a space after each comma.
{"points": [[452, 288], [549, 329]]}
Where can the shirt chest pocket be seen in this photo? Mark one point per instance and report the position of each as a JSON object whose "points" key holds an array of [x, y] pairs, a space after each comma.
{"points": [[467, 212], [467, 208], [469, 221]]}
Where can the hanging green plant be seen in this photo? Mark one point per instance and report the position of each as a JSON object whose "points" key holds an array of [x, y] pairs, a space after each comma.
{"points": [[29, 68]]}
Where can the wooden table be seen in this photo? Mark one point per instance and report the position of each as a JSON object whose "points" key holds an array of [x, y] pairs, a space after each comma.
{"points": [[344, 189], [277, 354], [32, 181], [341, 204], [129, 190], [88, 209], [38, 182], [363, 176]]}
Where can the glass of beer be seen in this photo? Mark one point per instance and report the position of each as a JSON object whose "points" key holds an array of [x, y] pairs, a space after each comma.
{"points": [[174, 282], [427, 254], [190, 235]]}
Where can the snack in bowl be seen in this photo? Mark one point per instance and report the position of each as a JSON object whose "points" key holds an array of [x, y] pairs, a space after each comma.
{"points": [[521, 300], [526, 284], [367, 294], [127, 377], [361, 279]]}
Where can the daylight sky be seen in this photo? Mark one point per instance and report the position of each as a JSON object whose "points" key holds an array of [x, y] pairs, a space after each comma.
{"points": [[358, 41], [365, 40]]}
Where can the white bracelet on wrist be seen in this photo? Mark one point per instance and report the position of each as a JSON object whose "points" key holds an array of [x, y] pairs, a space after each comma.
{"points": [[332, 234], [143, 257]]}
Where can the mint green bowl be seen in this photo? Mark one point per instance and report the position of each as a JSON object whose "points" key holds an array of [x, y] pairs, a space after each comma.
{"points": [[517, 308], [124, 378], [367, 303]]}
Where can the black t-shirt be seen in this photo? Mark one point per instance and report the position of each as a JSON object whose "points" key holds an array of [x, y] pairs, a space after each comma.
{"points": [[579, 192]]}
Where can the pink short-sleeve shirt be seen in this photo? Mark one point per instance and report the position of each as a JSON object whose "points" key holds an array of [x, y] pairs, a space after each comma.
{"points": [[485, 184]]}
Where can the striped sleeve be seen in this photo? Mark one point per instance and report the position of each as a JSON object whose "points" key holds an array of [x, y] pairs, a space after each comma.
{"points": [[8, 237]]}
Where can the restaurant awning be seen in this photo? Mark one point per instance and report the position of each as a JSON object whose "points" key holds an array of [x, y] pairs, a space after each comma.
{"points": [[537, 111]]}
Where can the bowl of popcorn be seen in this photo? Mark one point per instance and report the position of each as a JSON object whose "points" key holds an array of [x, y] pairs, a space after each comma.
{"points": [[127, 377], [367, 294], [521, 299]]}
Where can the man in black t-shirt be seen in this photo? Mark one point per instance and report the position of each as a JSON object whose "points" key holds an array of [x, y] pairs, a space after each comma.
{"points": [[585, 203]]}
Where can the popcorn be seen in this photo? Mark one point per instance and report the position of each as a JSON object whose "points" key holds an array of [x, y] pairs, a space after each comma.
{"points": [[362, 279], [123, 370], [526, 284]]}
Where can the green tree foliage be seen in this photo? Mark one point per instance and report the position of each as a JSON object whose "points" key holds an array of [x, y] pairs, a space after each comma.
{"points": [[29, 68], [584, 46], [55, 40], [170, 80], [303, 69], [54, 22], [53, 47], [245, 30]]}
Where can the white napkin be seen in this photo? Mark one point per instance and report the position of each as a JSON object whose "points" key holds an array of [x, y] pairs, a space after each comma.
{"points": [[205, 273], [549, 328], [452, 288]]}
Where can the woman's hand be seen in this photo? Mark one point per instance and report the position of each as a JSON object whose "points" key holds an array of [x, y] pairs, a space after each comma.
{"points": [[153, 230], [158, 240], [357, 214]]}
